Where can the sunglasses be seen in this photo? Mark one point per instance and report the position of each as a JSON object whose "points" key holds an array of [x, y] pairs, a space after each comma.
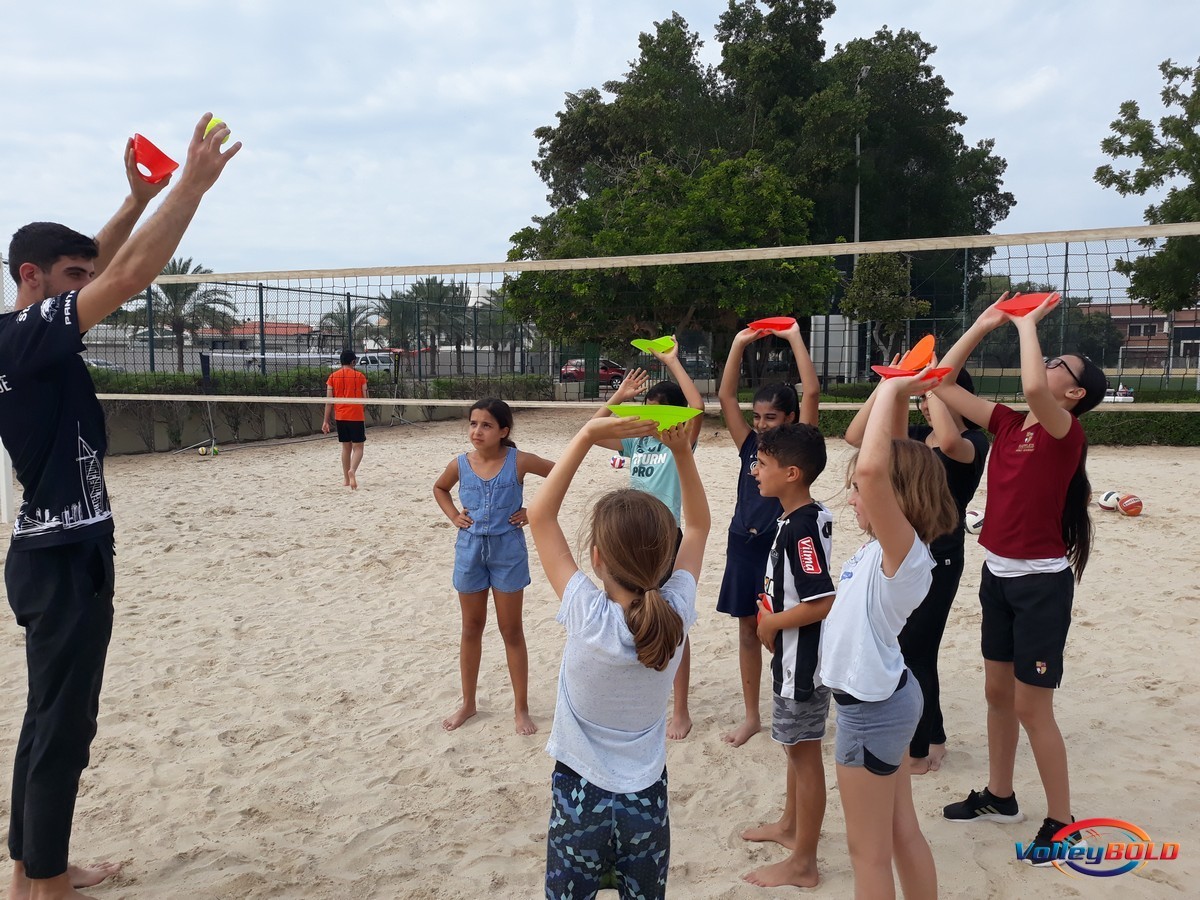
{"points": [[1055, 362]]}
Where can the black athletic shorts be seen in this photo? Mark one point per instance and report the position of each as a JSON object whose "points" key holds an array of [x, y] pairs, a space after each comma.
{"points": [[351, 432], [1025, 622]]}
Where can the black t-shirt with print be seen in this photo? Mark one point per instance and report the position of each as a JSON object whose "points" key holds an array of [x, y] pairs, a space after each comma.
{"points": [[52, 426]]}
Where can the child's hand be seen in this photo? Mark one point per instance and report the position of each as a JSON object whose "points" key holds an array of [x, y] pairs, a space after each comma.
{"points": [[667, 355], [633, 384], [766, 631], [463, 520], [918, 383], [749, 336], [677, 438], [617, 428], [520, 518], [1039, 312], [992, 318], [791, 333]]}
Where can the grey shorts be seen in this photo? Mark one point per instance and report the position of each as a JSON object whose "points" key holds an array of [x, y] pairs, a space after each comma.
{"points": [[793, 721], [875, 736]]}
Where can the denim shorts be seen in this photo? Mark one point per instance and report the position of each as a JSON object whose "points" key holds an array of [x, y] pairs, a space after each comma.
{"points": [[793, 721], [876, 735], [497, 561]]}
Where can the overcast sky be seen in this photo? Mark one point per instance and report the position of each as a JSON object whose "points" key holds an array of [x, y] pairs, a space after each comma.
{"points": [[400, 132]]}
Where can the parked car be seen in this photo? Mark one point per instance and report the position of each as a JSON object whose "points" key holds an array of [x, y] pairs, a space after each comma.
{"points": [[370, 362], [94, 363], [1120, 394], [611, 374]]}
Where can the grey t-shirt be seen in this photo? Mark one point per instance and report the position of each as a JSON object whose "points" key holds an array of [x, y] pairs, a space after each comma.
{"points": [[610, 720]]}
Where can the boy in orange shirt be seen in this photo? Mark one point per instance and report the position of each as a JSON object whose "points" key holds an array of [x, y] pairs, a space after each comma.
{"points": [[351, 426]]}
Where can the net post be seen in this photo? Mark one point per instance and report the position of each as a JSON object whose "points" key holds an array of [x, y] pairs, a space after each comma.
{"points": [[150, 324], [262, 329]]}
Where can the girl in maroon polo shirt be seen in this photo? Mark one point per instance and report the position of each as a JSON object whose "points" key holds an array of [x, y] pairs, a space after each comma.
{"points": [[1037, 530]]}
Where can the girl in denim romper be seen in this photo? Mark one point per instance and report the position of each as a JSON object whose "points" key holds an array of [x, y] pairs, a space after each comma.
{"points": [[490, 552]]}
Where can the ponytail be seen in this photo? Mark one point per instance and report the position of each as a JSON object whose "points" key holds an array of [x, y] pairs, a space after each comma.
{"points": [[657, 629], [1077, 523], [635, 533]]}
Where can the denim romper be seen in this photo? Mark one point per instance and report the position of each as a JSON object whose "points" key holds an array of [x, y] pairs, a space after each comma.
{"points": [[492, 552]]}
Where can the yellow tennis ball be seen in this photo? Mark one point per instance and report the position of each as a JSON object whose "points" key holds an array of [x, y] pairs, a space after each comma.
{"points": [[213, 123]]}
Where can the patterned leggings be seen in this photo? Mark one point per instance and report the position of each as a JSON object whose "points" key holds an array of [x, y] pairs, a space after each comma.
{"points": [[600, 839]]}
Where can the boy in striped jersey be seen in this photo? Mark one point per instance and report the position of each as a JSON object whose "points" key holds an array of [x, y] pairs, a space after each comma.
{"points": [[797, 595]]}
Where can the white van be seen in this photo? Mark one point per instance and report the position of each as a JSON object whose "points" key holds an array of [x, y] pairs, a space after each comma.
{"points": [[371, 361]]}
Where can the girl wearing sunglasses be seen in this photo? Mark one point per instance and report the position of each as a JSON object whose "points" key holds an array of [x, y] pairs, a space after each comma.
{"points": [[1037, 530]]}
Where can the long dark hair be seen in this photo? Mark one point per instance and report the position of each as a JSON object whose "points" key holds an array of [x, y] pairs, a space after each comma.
{"points": [[501, 412], [782, 397], [1077, 522]]}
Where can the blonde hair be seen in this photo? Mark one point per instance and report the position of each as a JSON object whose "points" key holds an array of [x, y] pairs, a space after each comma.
{"points": [[634, 533], [919, 481]]}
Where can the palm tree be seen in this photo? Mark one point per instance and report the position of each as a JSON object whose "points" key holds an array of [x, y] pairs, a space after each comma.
{"points": [[186, 308], [441, 309], [346, 322], [500, 327], [398, 316]]}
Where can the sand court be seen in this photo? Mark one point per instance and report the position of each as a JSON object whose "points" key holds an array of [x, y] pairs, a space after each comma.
{"points": [[285, 650]]}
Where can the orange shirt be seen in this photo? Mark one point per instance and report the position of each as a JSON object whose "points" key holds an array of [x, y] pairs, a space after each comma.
{"points": [[348, 382]]}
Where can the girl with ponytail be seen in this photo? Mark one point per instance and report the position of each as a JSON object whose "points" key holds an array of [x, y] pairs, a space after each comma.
{"points": [[623, 646]]}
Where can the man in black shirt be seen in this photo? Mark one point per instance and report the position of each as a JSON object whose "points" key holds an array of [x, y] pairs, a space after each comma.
{"points": [[59, 568]]}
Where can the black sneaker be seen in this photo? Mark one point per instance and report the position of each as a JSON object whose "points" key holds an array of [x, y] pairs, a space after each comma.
{"points": [[984, 807], [1044, 850]]}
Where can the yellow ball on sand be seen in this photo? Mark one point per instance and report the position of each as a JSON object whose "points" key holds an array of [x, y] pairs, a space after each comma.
{"points": [[203, 451], [213, 124]]}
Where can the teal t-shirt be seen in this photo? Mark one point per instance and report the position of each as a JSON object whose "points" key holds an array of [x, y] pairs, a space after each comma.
{"points": [[652, 469]]}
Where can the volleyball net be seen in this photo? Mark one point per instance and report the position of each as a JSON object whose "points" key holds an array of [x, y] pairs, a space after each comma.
{"points": [[259, 346]]}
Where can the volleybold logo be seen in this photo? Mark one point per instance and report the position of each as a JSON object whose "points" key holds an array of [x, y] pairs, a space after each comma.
{"points": [[809, 561], [1101, 848]]}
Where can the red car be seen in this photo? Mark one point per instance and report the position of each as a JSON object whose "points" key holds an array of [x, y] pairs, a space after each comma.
{"points": [[611, 374]]}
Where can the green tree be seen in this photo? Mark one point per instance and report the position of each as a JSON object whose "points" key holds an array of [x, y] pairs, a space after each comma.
{"points": [[880, 292], [184, 309], [672, 127], [657, 208], [1168, 279]]}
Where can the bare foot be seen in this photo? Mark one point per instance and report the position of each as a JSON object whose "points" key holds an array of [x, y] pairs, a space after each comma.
{"points": [[781, 833], [920, 765], [748, 729], [353, 482], [345, 479], [461, 715], [937, 754], [525, 725], [679, 727], [790, 871], [90, 876], [58, 888]]}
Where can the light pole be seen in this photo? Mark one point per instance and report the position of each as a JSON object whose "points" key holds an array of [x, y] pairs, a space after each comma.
{"points": [[862, 73]]}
